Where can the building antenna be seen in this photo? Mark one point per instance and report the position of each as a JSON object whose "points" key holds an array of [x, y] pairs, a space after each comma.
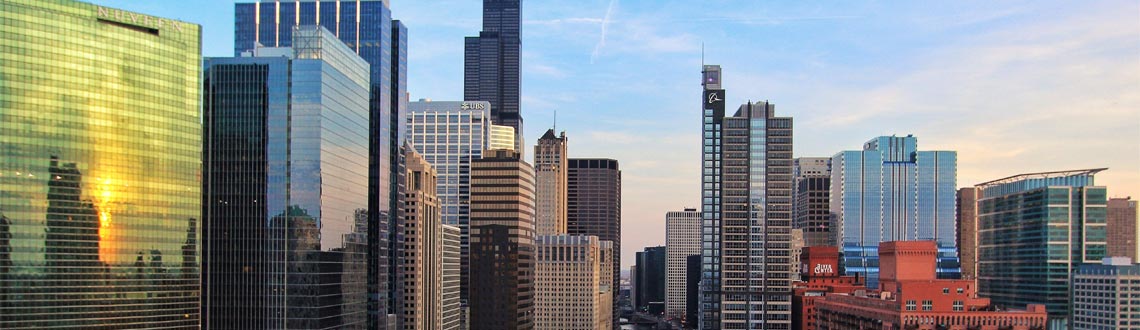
{"points": [[555, 128], [702, 54]]}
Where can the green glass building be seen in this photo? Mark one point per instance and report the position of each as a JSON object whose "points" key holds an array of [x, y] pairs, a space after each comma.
{"points": [[1034, 230], [100, 164]]}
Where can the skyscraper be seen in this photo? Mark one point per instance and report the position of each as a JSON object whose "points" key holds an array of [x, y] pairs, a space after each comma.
{"points": [[651, 268], [502, 242], [451, 135], [451, 312], [491, 66], [1122, 219], [812, 193], [1034, 229], [572, 289], [279, 252], [550, 173], [968, 231], [102, 144], [367, 28], [593, 206], [682, 239], [747, 160], [891, 191], [711, 179], [423, 243]]}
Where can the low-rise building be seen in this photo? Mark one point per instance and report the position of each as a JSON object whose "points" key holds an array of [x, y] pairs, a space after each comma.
{"points": [[819, 270], [911, 297], [1104, 295]]}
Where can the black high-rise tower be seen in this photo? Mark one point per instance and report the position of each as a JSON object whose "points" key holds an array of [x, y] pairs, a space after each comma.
{"points": [[491, 66]]}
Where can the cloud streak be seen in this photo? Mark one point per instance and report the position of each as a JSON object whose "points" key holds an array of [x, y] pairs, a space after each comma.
{"points": [[605, 28]]}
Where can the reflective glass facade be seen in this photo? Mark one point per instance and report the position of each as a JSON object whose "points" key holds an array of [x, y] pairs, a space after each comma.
{"points": [[890, 191], [451, 135], [286, 187], [366, 27], [712, 119], [1033, 232], [492, 68], [100, 143]]}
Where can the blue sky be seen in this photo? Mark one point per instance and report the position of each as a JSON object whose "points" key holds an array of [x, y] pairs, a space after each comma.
{"points": [[1013, 86]]}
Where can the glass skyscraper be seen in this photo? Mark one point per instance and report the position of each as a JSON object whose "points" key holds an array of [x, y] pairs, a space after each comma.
{"points": [[1034, 230], [746, 214], [491, 65], [890, 191], [366, 27], [286, 187], [451, 135], [100, 148]]}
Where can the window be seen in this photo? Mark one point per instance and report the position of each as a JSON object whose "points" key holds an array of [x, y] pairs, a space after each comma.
{"points": [[958, 306], [910, 305], [959, 290], [927, 305], [945, 290]]}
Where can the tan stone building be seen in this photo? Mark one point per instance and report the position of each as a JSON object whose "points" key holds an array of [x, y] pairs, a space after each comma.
{"points": [[573, 276], [550, 176], [682, 239], [423, 243]]}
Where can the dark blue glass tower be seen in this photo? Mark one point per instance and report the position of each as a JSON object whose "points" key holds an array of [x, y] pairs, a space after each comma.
{"points": [[491, 66], [367, 28]]}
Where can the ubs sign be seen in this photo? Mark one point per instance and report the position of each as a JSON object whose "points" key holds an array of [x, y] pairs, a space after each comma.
{"points": [[138, 19], [473, 106]]}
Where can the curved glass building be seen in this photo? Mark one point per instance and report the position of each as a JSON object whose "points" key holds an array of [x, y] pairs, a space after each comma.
{"points": [[100, 148]]}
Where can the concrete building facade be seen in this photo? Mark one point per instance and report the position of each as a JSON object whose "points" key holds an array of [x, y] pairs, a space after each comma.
{"points": [[968, 231], [422, 262], [1104, 295], [682, 239], [452, 314], [573, 280]]}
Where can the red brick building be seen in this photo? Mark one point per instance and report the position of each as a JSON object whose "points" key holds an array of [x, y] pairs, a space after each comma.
{"points": [[911, 297], [819, 267]]}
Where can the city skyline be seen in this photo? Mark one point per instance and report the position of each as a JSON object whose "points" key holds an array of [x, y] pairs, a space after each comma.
{"points": [[1013, 72]]}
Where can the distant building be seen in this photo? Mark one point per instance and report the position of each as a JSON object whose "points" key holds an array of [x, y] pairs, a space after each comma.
{"points": [[1104, 295], [551, 175], [682, 239], [593, 204], [1122, 219], [491, 64], [821, 276], [502, 242], [811, 191], [423, 243], [451, 135], [452, 315], [796, 247], [650, 295], [573, 283], [891, 191], [968, 231], [692, 291], [912, 298], [1026, 249], [502, 138]]}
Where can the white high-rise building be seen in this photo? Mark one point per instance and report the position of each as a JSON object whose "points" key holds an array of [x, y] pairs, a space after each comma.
{"points": [[1104, 296], [550, 184], [573, 283], [682, 239], [450, 135]]}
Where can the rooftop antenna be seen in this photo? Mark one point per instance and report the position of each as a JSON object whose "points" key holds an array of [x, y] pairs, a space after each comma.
{"points": [[555, 128], [702, 54]]}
